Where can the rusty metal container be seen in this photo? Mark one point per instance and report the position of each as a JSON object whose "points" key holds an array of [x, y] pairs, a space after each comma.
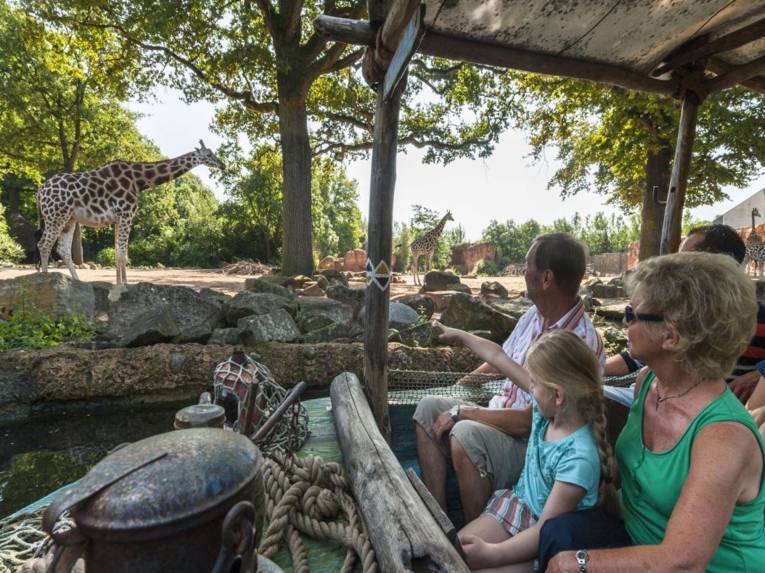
{"points": [[187, 501]]}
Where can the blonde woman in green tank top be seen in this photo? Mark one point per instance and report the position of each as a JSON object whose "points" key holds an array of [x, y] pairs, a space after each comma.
{"points": [[691, 459]]}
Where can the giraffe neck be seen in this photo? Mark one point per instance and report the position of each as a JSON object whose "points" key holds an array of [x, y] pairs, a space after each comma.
{"points": [[438, 228], [753, 223], [158, 172]]}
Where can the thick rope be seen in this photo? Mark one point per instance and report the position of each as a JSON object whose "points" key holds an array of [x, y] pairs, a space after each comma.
{"points": [[311, 496]]}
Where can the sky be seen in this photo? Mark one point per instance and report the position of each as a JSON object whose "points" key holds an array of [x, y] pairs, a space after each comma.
{"points": [[507, 185]]}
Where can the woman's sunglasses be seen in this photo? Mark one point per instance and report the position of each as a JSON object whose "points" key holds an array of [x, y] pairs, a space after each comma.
{"points": [[631, 315]]}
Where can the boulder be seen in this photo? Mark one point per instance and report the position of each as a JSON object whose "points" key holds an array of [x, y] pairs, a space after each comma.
{"points": [[439, 280], [468, 313], [423, 335], [493, 288], [311, 289], [333, 332], [309, 323], [459, 287], [353, 297], [155, 325], [355, 260], [422, 304], [401, 316], [194, 313], [227, 336], [276, 325], [321, 280], [327, 262], [53, 294], [298, 282], [440, 299], [246, 303], [324, 307], [515, 307], [269, 286], [601, 290], [335, 276], [611, 311]]}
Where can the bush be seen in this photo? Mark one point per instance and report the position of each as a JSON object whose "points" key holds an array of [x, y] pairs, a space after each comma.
{"points": [[488, 268], [10, 251], [106, 257], [28, 329]]}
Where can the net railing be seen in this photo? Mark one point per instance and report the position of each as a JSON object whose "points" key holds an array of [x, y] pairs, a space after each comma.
{"points": [[406, 387]]}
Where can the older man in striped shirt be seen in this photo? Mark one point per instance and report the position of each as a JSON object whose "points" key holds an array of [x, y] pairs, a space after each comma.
{"points": [[487, 446]]}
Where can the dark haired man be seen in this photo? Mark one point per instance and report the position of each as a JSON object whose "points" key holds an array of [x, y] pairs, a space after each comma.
{"points": [[710, 239], [487, 445]]}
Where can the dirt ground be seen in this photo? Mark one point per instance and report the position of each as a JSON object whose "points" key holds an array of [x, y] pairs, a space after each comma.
{"points": [[230, 284]]}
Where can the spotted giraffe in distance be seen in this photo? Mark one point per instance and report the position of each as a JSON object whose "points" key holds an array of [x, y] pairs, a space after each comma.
{"points": [[425, 245], [104, 196], [755, 247]]}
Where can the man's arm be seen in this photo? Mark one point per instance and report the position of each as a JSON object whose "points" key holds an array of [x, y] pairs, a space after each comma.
{"points": [[513, 422], [744, 385]]}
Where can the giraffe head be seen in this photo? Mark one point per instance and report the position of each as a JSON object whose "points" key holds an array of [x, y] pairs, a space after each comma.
{"points": [[756, 212], [207, 157], [448, 216]]}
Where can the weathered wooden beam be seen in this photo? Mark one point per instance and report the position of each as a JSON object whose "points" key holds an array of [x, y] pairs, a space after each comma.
{"points": [[444, 46], [736, 75], [756, 84], [379, 245], [346, 30], [673, 211], [401, 12], [730, 41], [404, 535]]}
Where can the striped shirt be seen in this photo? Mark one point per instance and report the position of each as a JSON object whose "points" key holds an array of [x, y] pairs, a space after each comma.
{"points": [[529, 328], [756, 349]]}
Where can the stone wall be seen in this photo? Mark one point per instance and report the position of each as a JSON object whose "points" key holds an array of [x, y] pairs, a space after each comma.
{"points": [[609, 263], [465, 256]]}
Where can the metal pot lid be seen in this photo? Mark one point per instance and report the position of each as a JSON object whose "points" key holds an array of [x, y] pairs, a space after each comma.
{"points": [[200, 415], [202, 468]]}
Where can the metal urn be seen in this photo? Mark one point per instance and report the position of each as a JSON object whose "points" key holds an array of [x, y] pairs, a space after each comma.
{"points": [[186, 501]]}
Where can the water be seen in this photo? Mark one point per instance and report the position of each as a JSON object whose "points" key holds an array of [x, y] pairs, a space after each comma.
{"points": [[38, 458]]}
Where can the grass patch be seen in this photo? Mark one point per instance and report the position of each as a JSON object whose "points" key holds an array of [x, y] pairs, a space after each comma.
{"points": [[25, 328]]}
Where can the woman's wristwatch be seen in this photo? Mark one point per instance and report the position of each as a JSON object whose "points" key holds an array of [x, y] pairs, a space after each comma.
{"points": [[582, 558]]}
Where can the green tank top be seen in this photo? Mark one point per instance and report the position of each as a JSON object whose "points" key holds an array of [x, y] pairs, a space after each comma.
{"points": [[652, 482]]}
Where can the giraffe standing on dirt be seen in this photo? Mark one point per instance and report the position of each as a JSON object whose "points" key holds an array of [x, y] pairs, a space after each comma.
{"points": [[425, 245], [755, 247], [104, 196]]}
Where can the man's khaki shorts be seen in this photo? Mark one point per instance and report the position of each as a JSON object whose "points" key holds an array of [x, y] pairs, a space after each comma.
{"points": [[494, 454]]}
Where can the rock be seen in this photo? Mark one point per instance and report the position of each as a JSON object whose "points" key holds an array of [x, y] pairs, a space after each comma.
{"points": [[466, 256], [215, 296], [35, 383], [322, 281], [422, 304], [312, 289], [401, 316], [309, 323], [297, 282], [246, 303], [194, 313], [154, 325], [393, 335], [334, 331], [459, 287], [199, 333], [327, 262], [616, 340], [276, 325], [423, 335], [53, 294], [468, 313], [439, 280], [335, 276], [324, 307], [267, 285], [355, 260], [515, 307], [227, 336], [607, 291], [440, 299], [353, 297], [611, 311], [493, 288]]}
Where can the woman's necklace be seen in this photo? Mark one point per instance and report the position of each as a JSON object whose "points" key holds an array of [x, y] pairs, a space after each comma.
{"points": [[660, 398]]}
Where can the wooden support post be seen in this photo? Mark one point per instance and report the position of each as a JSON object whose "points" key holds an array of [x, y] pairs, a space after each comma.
{"points": [[379, 250], [402, 531], [673, 211]]}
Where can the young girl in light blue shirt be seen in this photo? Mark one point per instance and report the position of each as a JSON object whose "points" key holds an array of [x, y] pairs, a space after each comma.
{"points": [[568, 458]]}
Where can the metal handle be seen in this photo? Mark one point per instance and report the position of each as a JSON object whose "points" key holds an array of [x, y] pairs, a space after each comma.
{"points": [[238, 540]]}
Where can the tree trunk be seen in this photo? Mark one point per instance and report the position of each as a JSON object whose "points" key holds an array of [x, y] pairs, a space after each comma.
{"points": [[297, 251], [657, 172]]}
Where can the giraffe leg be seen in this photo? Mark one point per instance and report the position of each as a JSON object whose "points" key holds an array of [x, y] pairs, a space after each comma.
{"points": [[121, 237], [415, 258], [65, 248], [45, 244]]}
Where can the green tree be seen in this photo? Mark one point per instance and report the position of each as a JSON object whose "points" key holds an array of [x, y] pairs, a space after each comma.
{"points": [[9, 250], [621, 143], [337, 225], [280, 80], [402, 239]]}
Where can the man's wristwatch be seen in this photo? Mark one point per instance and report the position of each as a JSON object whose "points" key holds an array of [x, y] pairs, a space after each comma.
{"points": [[454, 412], [582, 558]]}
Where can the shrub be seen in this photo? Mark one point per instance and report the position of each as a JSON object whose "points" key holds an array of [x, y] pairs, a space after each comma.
{"points": [[25, 328], [10, 251], [106, 257], [488, 268]]}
